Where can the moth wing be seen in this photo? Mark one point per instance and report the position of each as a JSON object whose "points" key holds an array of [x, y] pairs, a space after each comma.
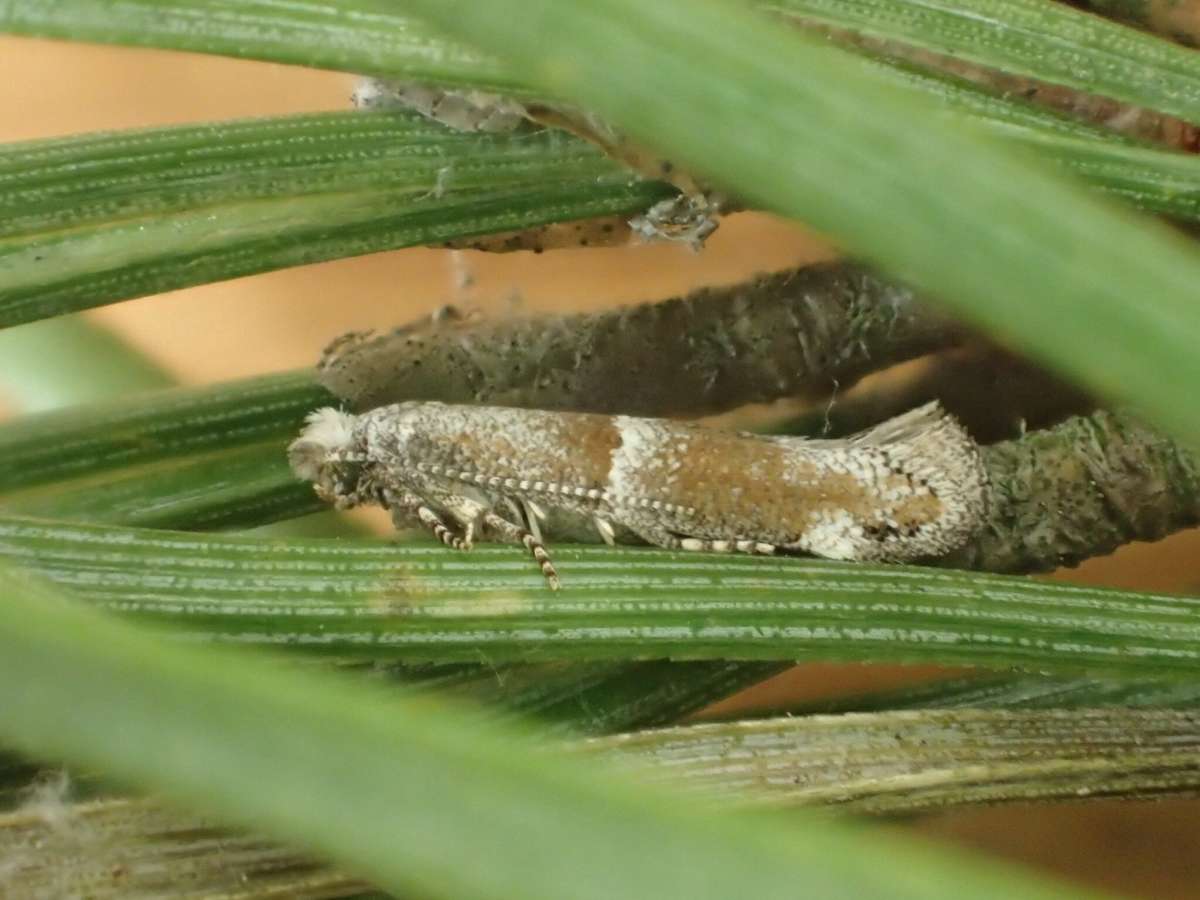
{"points": [[902, 429], [908, 427]]}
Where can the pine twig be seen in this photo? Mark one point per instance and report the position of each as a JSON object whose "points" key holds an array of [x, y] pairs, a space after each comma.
{"points": [[790, 333], [905, 762], [879, 763], [1081, 489]]}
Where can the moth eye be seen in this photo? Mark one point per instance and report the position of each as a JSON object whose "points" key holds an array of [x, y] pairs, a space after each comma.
{"points": [[346, 478]]}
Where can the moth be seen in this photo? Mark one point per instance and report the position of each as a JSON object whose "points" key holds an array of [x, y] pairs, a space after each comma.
{"points": [[911, 487]]}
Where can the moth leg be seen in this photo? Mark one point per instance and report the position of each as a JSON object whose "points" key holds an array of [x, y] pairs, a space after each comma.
{"points": [[462, 515], [527, 513], [404, 506], [656, 535], [434, 523], [517, 535], [467, 513]]}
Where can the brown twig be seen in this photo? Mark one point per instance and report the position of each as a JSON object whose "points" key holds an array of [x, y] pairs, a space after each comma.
{"points": [[802, 331]]}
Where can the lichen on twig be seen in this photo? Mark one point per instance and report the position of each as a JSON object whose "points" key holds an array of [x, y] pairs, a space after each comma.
{"points": [[1081, 489]]}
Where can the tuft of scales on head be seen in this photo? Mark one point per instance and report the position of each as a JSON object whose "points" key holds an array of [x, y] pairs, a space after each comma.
{"points": [[327, 433], [909, 488], [327, 453]]}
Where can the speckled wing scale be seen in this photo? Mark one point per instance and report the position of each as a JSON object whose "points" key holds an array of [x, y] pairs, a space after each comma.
{"points": [[912, 487]]}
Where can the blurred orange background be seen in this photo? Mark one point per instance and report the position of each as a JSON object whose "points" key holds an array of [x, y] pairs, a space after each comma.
{"points": [[282, 320]]}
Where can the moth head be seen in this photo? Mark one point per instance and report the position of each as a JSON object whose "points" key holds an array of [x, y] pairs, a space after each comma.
{"points": [[325, 454]]}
